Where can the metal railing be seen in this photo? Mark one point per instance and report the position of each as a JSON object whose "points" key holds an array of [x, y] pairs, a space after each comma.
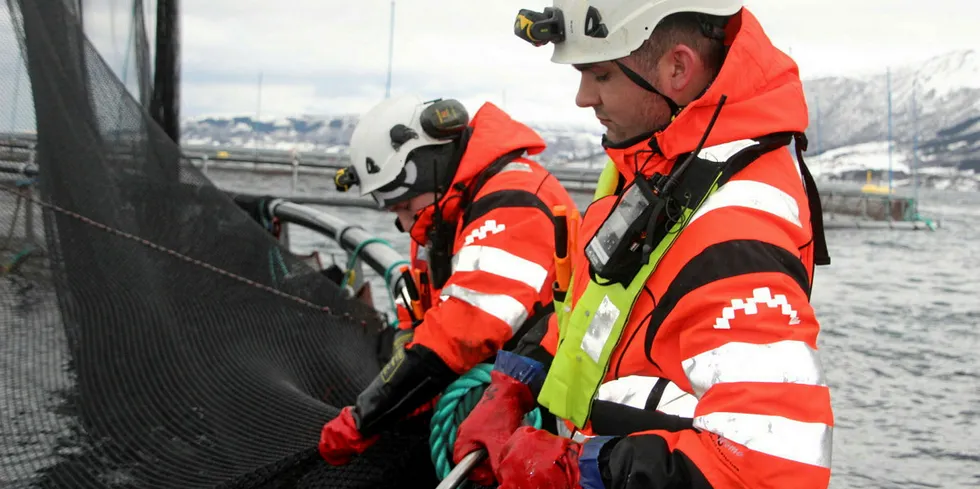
{"points": [[18, 162], [15, 148], [352, 238]]}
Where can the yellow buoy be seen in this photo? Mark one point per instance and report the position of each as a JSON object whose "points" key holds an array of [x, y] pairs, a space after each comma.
{"points": [[870, 188]]}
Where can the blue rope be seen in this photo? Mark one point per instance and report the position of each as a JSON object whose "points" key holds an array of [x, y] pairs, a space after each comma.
{"points": [[455, 404]]}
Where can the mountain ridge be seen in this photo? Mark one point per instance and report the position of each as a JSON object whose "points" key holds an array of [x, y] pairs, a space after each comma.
{"points": [[935, 111]]}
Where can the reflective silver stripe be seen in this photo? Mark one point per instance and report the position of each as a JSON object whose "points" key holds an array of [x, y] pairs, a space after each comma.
{"points": [[631, 391], [600, 327], [500, 263], [515, 166], [808, 443], [722, 152], [564, 432], [634, 390], [500, 306], [784, 361], [754, 195]]}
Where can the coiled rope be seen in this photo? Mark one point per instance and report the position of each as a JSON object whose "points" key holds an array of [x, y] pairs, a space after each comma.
{"points": [[452, 408]]}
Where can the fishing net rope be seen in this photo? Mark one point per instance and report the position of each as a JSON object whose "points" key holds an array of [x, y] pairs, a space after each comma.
{"points": [[152, 334]]}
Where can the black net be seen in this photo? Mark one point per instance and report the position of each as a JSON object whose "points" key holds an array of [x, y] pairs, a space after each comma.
{"points": [[152, 334]]}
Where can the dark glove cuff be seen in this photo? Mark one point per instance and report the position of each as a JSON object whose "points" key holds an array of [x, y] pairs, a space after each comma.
{"points": [[411, 378], [522, 369]]}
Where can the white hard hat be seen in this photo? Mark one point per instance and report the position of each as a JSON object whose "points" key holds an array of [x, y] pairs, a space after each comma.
{"points": [[388, 133], [592, 31]]}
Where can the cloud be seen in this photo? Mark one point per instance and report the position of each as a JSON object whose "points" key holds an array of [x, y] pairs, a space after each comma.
{"points": [[16, 101], [467, 49], [331, 56], [852, 37], [336, 56]]}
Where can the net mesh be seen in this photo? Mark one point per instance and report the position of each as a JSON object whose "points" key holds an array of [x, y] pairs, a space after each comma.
{"points": [[153, 334]]}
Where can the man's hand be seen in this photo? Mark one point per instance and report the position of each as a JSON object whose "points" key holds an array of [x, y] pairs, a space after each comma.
{"points": [[491, 423], [405, 385], [340, 439], [536, 459]]}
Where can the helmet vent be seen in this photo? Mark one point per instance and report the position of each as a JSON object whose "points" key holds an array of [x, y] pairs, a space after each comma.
{"points": [[593, 24], [401, 134]]}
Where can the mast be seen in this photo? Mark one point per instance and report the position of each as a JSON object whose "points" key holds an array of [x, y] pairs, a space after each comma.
{"points": [[391, 47], [816, 101], [915, 145], [258, 116], [888, 84]]}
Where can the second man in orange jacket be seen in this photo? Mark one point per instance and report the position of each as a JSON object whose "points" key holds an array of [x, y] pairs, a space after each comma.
{"points": [[480, 217]]}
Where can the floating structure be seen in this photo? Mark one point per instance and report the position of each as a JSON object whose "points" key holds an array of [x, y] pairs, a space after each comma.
{"points": [[870, 207]]}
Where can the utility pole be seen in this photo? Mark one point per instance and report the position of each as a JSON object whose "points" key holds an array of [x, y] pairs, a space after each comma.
{"points": [[258, 114], [888, 85], [391, 47], [915, 144], [816, 102]]}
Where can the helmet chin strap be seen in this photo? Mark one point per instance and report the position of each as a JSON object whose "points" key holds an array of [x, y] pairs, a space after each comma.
{"points": [[636, 78]]}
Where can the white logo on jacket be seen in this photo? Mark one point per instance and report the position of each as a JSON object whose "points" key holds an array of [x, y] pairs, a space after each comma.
{"points": [[489, 226], [750, 306]]}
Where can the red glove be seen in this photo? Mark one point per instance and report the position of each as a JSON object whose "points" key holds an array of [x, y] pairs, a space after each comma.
{"points": [[339, 439], [499, 413], [534, 458], [410, 380]]}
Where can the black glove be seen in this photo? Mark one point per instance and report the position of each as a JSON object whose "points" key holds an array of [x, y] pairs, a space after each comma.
{"points": [[411, 378]]}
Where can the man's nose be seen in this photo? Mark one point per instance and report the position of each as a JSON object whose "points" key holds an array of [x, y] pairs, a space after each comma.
{"points": [[587, 95]]}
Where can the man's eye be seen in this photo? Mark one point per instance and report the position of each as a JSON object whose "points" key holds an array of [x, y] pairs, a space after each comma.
{"points": [[602, 77]]}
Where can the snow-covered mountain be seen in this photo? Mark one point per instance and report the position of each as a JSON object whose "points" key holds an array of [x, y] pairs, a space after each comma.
{"points": [[934, 104], [332, 134], [848, 126], [301, 133]]}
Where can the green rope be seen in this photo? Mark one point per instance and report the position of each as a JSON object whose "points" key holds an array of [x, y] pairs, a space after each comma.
{"points": [[455, 404], [275, 257], [391, 296], [17, 260], [352, 259], [349, 273]]}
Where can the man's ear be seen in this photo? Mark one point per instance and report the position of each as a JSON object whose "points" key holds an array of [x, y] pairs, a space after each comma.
{"points": [[682, 64]]}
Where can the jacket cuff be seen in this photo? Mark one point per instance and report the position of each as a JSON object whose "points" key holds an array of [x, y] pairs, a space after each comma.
{"points": [[522, 369], [590, 474]]}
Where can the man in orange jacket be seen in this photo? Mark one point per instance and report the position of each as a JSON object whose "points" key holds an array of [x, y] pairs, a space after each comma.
{"points": [[684, 353], [477, 212]]}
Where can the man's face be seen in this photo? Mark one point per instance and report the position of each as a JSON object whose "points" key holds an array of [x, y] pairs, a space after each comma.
{"points": [[626, 109], [406, 210]]}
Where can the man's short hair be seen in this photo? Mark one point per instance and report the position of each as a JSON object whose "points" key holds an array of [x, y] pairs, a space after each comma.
{"points": [[690, 29]]}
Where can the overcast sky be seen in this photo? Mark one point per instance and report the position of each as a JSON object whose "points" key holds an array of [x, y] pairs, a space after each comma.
{"points": [[330, 56]]}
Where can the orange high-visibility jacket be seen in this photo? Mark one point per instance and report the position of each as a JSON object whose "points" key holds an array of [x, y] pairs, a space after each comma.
{"points": [[502, 248], [726, 316]]}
